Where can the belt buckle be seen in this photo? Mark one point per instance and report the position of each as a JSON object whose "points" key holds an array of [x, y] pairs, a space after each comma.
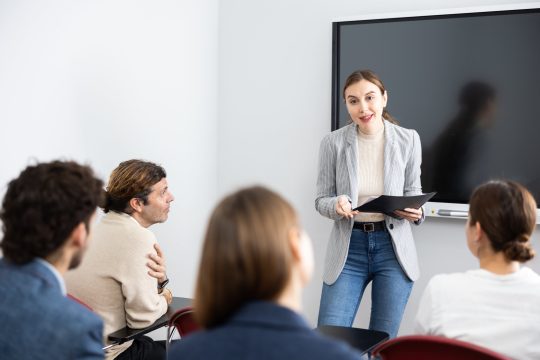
{"points": [[369, 227]]}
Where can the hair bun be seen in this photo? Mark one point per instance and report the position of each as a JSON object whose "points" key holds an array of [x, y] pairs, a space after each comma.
{"points": [[520, 249]]}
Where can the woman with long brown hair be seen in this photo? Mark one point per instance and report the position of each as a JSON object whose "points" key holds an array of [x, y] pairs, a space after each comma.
{"points": [[372, 156], [255, 261]]}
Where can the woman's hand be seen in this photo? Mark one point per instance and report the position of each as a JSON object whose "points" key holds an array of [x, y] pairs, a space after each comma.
{"points": [[343, 207], [409, 214], [157, 266]]}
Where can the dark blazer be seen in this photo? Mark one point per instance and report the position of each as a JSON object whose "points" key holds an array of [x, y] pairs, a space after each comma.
{"points": [[261, 331], [38, 322]]}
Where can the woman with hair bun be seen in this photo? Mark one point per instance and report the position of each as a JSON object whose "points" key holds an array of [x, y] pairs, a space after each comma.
{"points": [[498, 305]]}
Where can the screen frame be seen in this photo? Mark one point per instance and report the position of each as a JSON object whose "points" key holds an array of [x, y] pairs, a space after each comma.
{"points": [[434, 209]]}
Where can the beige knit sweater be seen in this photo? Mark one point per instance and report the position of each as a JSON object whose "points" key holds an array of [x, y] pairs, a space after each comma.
{"points": [[370, 150], [113, 277]]}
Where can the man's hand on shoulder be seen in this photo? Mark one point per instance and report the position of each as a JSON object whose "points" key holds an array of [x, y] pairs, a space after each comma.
{"points": [[157, 266]]}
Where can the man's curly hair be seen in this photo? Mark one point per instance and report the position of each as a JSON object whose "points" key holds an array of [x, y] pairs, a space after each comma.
{"points": [[43, 205]]}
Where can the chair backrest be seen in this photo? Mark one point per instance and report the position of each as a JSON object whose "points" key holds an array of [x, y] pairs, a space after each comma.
{"points": [[424, 347], [76, 299], [183, 321]]}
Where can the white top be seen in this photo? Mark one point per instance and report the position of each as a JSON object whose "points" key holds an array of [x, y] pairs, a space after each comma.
{"points": [[370, 171], [499, 312], [113, 277]]}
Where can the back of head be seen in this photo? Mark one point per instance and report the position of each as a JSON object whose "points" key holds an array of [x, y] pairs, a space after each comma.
{"points": [[42, 207], [476, 96], [245, 255], [131, 179], [506, 212]]}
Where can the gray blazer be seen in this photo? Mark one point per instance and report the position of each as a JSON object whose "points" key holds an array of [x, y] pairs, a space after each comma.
{"points": [[338, 169]]}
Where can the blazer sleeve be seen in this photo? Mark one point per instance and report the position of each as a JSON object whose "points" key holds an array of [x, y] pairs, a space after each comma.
{"points": [[326, 199], [413, 185]]}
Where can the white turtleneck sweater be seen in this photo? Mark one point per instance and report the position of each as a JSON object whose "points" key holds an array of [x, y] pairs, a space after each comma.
{"points": [[370, 171]]}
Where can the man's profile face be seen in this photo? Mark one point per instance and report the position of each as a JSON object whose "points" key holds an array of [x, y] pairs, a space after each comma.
{"points": [[157, 207]]}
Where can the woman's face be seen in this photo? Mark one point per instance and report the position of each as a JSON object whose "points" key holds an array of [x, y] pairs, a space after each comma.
{"points": [[365, 105]]}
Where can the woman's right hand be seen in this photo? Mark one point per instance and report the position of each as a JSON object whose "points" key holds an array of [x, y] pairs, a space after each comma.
{"points": [[343, 207]]}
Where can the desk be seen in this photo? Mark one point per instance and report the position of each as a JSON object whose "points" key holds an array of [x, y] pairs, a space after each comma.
{"points": [[362, 340], [126, 334]]}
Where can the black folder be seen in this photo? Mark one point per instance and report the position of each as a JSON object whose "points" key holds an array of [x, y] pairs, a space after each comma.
{"points": [[387, 204]]}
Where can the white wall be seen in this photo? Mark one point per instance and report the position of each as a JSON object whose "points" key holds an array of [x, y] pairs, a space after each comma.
{"points": [[105, 81], [275, 73]]}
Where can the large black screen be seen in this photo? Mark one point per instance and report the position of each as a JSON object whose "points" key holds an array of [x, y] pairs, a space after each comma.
{"points": [[468, 83]]}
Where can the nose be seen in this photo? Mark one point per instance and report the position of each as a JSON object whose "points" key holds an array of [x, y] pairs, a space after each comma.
{"points": [[362, 106], [171, 199]]}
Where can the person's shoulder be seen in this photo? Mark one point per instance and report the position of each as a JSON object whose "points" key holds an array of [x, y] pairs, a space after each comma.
{"points": [[194, 346], [448, 281], [77, 317], [529, 276], [128, 233], [50, 309], [323, 347], [308, 343], [400, 132], [337, 137]]}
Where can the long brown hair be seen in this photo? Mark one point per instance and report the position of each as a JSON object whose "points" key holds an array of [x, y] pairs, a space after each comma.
{"points": [[507, 213], [245, 255], [370, 76]]}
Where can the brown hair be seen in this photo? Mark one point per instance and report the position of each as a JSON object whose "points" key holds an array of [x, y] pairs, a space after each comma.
{"points": [[245, 255], [43, 205], [131, 179], [507, 213], [370, 76]]}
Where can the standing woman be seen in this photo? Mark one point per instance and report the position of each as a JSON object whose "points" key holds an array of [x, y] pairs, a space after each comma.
{"points": [[370, 156]]}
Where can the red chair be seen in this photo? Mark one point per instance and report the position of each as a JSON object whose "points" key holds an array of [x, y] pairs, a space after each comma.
{"points": [[183, 321], [79, 301], [424, 347]]}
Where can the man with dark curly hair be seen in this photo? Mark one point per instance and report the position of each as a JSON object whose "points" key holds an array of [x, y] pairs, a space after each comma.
{"points": [[46, 217]]}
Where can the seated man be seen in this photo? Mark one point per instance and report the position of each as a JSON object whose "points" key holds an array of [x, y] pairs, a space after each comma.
{"points": [[46, 215], [113, 278]]}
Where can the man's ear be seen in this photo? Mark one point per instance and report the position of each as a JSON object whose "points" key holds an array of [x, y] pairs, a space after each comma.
{"points": [[78, 236], [136, 204]]}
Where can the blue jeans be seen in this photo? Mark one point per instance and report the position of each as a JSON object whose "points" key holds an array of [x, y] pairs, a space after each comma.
{"points": [[371, 258]]}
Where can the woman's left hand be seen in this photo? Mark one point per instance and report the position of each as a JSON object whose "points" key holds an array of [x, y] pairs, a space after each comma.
{"points": [[409, 214]]}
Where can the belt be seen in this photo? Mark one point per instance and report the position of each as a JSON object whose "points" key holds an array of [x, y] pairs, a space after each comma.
{"points": [[369, 226]]}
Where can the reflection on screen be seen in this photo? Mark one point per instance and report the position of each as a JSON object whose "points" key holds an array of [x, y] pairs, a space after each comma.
{"points": [[469, 84]]}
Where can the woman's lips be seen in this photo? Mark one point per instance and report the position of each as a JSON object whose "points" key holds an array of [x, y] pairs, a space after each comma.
{"points": [[366, 118]]}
